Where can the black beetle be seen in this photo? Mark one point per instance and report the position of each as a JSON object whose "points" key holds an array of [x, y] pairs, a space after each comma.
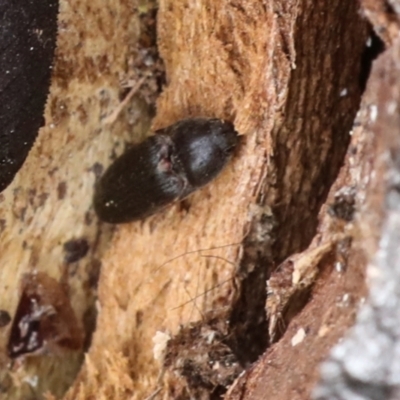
{"points": [[164, 168]]}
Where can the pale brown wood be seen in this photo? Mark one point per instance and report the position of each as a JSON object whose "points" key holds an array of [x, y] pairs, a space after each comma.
{"points": [[50, 200]]}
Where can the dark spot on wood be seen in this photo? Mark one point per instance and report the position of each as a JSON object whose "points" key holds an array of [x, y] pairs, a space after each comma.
{"points": [[4, 318], [42, 199], [31, 196], [61, 190], [82, 114], [72, 269], [52, 171], [139, 318], [64, 69], [75, 249], [59, 110], [103, 64], [94, 269], [89, 323], [88, 218], [97, 169], [22, 213]]}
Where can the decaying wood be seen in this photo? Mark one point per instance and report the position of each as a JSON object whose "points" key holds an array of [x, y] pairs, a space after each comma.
{"points": [[285, 73], [49, 202], [329, 277], [246, 73], [364, 364]]}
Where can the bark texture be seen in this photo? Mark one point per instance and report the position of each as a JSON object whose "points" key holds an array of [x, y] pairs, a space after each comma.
{"points": [[365, 364]]}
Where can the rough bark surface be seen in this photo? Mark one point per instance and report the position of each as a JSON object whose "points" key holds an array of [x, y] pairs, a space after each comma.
{"points": [[330, 274], [365, 364], [285, 72]]}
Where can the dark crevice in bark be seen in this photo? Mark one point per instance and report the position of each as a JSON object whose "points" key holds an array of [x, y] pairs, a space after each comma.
{"points": [[288, 230], [373, 48]]}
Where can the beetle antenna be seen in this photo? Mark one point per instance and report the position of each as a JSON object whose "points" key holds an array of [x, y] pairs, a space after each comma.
{"points": [[203, 293], [197, 296], [195, 252]]}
